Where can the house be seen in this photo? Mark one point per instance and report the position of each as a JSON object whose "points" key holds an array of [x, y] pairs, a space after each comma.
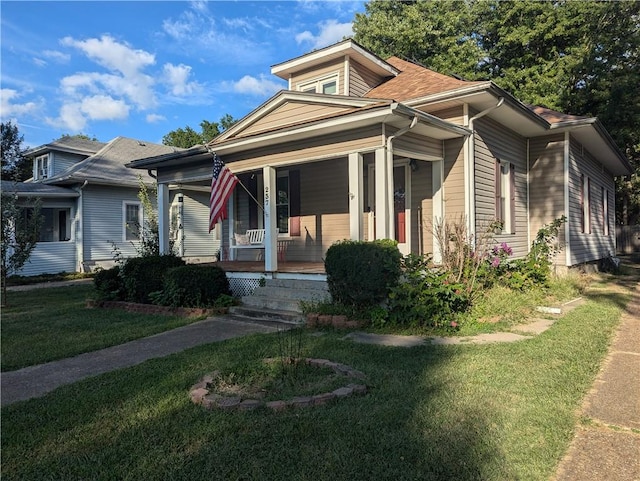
{"points": [[359, 147], [90, 203]]}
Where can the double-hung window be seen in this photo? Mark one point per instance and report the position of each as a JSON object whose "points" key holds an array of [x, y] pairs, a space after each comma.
{"points": [[585, 203], [505, 187], [605, 211], [41, 167], [132, 217]]}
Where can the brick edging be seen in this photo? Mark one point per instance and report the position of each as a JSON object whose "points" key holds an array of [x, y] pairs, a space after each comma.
{"points": [[200, 394], [155, 309]]}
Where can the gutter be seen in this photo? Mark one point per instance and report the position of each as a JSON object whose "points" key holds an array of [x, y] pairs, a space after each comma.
{"points": [[470, 188], [80, 229]]}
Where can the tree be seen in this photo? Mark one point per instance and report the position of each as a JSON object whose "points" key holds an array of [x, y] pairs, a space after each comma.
{"points": [[21, 224], [188, 137], [576, 57], [14, 165]]}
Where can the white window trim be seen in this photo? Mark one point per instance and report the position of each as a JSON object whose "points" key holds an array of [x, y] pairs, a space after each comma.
{"points": [[586, 204], [126, 203], [38, 169], [319, 82]]}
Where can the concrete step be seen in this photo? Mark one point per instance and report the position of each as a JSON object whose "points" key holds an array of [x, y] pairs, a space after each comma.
{"points": [[291, 293], [264, 315], [273, 303], [298, 284]]}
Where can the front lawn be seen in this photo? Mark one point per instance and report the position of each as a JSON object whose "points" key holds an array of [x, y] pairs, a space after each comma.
{"points": [[470, 412], [43, 325]]}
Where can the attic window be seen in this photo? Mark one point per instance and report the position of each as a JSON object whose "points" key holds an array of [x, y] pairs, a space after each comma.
{"points": [[41, 167], [324, 85]]}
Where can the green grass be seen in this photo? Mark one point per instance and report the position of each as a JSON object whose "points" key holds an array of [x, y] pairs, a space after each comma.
{"points": [[472, 412], [43, 325]]}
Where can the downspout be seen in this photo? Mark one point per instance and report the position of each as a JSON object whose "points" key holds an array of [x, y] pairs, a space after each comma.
{"points": [[80, 229], [390, 192], [471, 181]]}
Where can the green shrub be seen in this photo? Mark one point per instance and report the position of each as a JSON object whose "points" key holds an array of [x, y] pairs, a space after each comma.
{"points": [[194, 286], [108, 284], [143, 275], [362, 273], [425, 297]]}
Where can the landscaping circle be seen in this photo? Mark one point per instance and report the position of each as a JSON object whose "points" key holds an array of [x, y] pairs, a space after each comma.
{"points": [[279, 384]]}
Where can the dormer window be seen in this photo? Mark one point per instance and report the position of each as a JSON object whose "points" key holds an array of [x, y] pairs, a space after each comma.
{"points": [[41, 167], [325, 85]]}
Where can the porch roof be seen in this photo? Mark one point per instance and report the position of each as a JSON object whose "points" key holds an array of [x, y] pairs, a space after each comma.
{"points": [[36, 189]]}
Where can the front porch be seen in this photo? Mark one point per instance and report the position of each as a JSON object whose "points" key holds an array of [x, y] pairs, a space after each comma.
{"points": [[284, 268]]}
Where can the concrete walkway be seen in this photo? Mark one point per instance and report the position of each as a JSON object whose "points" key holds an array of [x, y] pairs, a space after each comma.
{"points": [[36, 381]]}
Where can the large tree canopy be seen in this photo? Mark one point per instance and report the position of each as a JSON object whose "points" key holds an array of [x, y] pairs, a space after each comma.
{"points": [[576, 57], [14, 165], [188, 137]]}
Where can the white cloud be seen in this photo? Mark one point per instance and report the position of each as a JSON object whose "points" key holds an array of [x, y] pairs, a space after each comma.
{"points": [[104, 107], [153, 118], [71, 118], [56, 56], [331, 31], [261, 86], [39, 62], [177, 77], [8, 106], [113, 55]]}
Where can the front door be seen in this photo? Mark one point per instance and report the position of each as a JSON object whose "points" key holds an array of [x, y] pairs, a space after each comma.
{"points": [[401, 205]]}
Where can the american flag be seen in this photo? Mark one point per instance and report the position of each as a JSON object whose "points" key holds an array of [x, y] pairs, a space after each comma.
{"points": [[222, 184]]}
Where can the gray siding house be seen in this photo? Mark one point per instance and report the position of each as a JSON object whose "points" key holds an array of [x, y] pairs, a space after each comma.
{"points": [[360, 147], [90, 203]]}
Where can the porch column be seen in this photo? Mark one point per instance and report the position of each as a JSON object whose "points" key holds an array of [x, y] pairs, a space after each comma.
{"points": [[270, 219], [231, 215], [163, 218], [382, 207], [356, 200], [437, 177]]}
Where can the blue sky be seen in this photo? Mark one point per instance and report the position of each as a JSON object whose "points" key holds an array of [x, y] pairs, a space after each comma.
{"points": [[142, 69]]}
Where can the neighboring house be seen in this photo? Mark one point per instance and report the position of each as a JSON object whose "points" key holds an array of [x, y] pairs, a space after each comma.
{"points": [[90, 202], [363, 148]]}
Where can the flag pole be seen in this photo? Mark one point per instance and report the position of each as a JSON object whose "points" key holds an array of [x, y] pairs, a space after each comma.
{"points": [[241, 184]]}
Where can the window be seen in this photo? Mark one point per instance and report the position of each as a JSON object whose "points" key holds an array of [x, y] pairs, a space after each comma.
{"points": [[56, 224], [585, 203], [326, 85], [41, 167], [505, 189], [605, 211], [132, 215], [282, 202]]}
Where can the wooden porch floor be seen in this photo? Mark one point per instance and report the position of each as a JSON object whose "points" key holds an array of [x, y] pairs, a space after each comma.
{"points": [[258, 266]]}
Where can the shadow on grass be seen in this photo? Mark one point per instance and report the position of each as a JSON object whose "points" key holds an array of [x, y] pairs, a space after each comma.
{"points": [[139, 424]]}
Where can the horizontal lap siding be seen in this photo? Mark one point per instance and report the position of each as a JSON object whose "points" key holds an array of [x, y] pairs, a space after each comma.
{"points": [[321, 71], [361, 79], [546, 186], [50, 258], [419, 144], [589, 247], [324, 209], [495, 141], [289, 114], [63, 161], [198, 242], [454, 115], [422, 208], [103, 222], [454, 184]]}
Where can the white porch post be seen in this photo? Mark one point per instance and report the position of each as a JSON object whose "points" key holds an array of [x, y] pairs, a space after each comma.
{"points": [[231, 214], [437, 177], [382, 206], [356, 201], [270, 220], [163, 218]]}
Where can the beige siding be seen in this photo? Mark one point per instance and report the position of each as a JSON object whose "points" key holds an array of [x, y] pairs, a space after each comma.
{"points": [[289, 114], [422, 209], [361, 79], [419, 144], [454, 115], [546, 186], [322, 71], [454, 184], [586, 247], [495, 141], [324, 209]]}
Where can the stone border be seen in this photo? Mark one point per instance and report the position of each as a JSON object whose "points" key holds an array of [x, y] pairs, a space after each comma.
{"points": [[155, 309], [199, 393], [327, 320]]}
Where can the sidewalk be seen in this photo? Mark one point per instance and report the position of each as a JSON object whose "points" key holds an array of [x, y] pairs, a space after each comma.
{"points": [[608, 447]]}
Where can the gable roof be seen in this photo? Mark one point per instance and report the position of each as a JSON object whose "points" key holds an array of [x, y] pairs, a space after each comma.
{"points": [[553, 116], [35, 189], [415, 81], [107, 166], [72, 145]]}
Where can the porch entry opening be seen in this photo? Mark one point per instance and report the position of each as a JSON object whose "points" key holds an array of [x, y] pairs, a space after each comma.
{"points": [[56, 224], [401, 205]]}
